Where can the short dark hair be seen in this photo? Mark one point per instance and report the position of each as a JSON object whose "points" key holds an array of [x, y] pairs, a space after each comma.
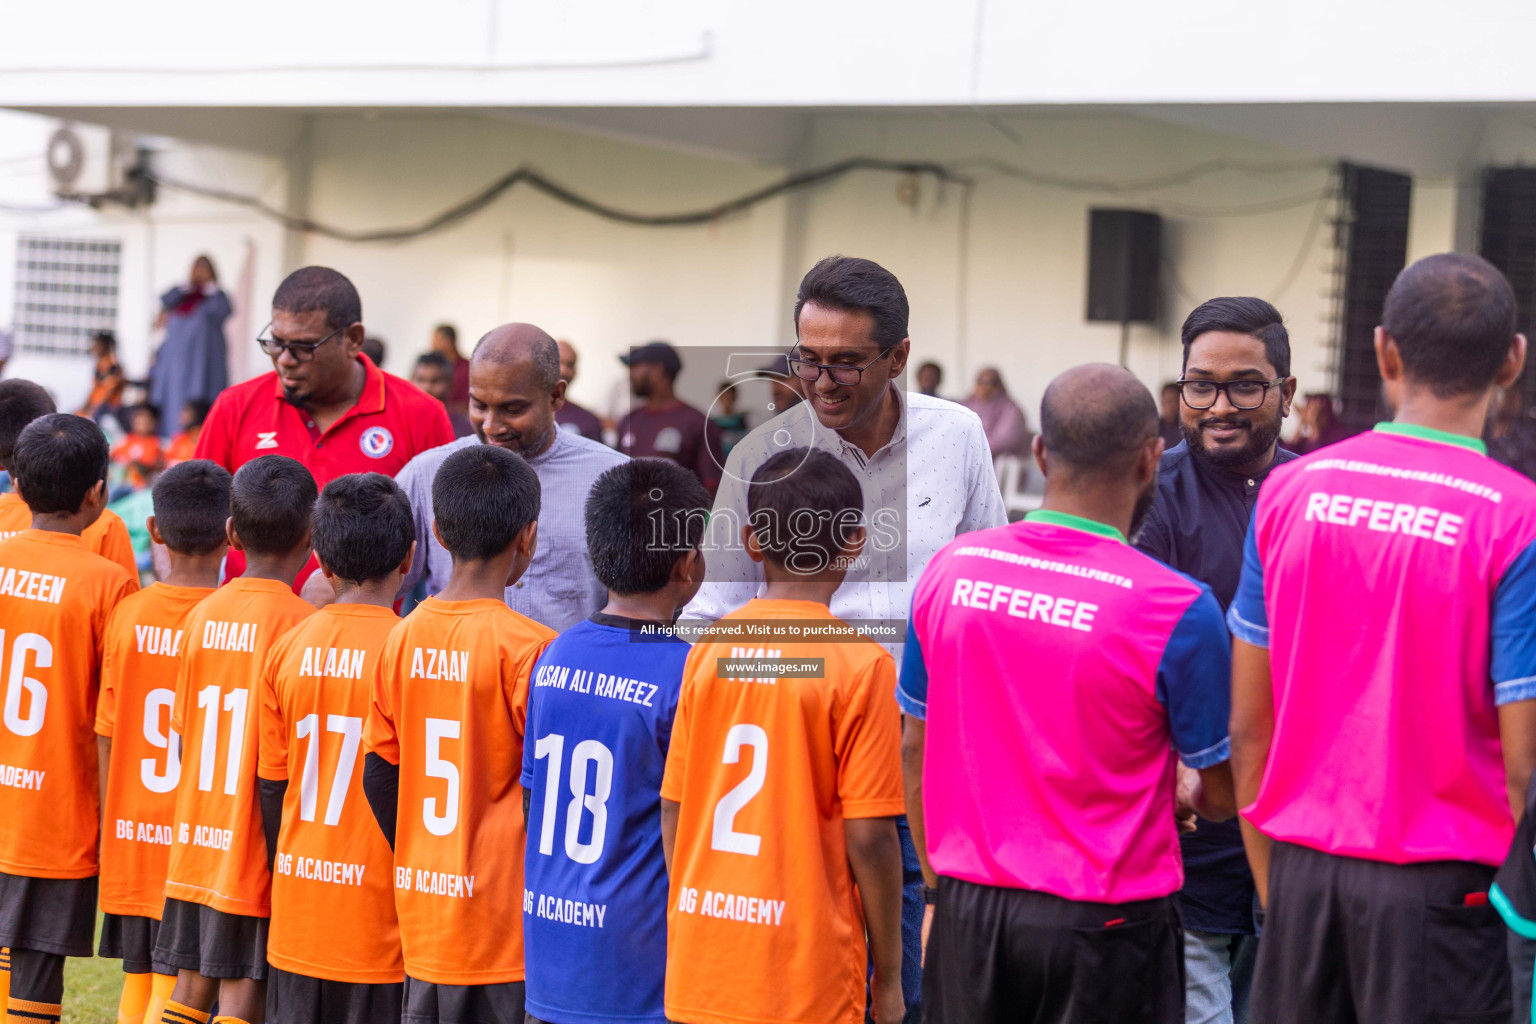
{"points": [[191, 501], [802, 504], [311, 288], [21, 402], [199, 408], [859, 286], [1453, 317], [269, 502], [107, 339], [362, 527], [149, 407], [642, 516], [57, 460], [482, 498], [448, 331], [434, 359], [1093, 420], [373, 348], [1241, 314]]}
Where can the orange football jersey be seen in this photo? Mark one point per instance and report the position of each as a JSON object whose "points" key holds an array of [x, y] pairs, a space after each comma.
{"points": [[55, 599], [765, 922], [449, 707], [333, 895], [219, 854], [140, 662], [107, 536]]}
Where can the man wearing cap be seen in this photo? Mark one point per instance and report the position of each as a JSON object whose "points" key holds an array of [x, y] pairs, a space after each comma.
{"points": [[665, 427]]}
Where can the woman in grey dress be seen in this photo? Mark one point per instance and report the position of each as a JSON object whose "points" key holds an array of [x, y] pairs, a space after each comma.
{"points": [[192, 362]]}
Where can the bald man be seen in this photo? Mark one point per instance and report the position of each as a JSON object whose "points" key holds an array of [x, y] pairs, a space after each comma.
{"points": [[515, 392], [572, 416], [1127, 665]]}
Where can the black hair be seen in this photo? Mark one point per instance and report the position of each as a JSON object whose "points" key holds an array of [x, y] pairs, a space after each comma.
{"points": [[482, 498], [199, 408], [311, 288], [362, 527], [1096, 425], [270, 502], [448, 331], [107, 339], [803, 505], [434, 359], [21, 402], [930, 364], [642, 516], [149, 407], [373, 348], [191, 501], [857, 285], [57, 460], [1453, 317], [1242, 314]]}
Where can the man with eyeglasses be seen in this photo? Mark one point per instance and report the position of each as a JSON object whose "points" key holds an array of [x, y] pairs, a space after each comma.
{"points": [[324, 403], [922, 462], [1235, 390]]}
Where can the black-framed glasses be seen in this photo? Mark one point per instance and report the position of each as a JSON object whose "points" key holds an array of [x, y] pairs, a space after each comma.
{"points": [[848, 376], [1242, 394], [302, 351]]}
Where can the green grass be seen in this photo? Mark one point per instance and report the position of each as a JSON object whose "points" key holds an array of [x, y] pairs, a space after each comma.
{"points": [[91, 990]]}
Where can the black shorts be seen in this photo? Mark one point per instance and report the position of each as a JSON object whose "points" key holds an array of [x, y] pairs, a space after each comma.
{"points": [[51, 915], [212, 943], [131, 939], [1005, 955], [300, 999], [1347, 939], [426, 1003]]}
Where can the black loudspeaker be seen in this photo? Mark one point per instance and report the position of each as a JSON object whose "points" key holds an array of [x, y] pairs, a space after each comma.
{"points": [[1124, 249]]}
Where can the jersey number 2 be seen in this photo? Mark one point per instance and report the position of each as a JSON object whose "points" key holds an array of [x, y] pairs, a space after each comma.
{"points": [[725, 837]]}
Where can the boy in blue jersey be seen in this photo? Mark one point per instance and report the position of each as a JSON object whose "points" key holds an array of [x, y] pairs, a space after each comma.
{"points": [[600, 713]]}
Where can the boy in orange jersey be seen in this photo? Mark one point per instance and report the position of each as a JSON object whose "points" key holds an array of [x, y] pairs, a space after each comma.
{"points": [[140, 762], [781, 791], [334, 947], [21, 402], [55, 599], [445, 742], [217, 886]]}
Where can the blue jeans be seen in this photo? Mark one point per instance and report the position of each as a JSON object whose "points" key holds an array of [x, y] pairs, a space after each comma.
{"points": [[911, 926], [1218, 972]]}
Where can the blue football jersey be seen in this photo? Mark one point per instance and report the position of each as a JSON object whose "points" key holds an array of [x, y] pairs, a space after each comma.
{"points": [[600, 711]]}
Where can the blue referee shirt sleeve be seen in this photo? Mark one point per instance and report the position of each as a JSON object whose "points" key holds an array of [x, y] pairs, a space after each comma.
{"points": [[1247, 619], [1194, 682], [1512, 662], [912, 683]]}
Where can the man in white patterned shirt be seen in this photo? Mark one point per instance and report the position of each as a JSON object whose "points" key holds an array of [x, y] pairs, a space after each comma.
{"points": [[514, 392], [922, 462]]}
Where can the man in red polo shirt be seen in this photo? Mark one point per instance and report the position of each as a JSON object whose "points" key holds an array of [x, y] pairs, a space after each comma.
{"points": [[324, 404]]}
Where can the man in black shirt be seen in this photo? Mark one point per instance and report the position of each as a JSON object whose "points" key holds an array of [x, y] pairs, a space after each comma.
{"points": [[1235, 390]]}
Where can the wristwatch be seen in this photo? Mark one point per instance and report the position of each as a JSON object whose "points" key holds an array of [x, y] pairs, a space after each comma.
{"points": [[930, 895]]}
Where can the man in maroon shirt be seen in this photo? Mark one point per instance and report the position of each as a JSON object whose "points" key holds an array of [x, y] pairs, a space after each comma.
{"points": [[572, 416], [324, 403], [665, 427]]}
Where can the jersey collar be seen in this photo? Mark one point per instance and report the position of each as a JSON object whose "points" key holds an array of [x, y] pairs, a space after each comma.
{"points": [[370, 400], [1072, 522], [1431, 434]]}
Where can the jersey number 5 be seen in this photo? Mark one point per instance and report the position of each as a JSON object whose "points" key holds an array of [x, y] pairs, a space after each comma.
{"points": [[439, 767], [17, 682], [724, 837]]}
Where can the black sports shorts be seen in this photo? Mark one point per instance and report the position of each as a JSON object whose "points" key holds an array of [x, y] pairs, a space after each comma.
{"points": [[212, 943], [131, 939], [997, 956], [1351, 940], [300, 999], [50, 915], [426, 1003]]}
